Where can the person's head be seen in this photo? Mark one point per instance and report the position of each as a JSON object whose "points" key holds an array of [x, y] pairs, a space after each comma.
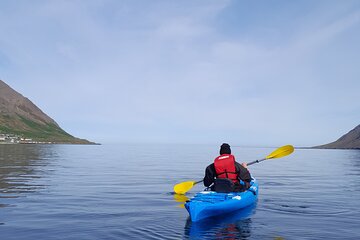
{"points": [[225, 149]]}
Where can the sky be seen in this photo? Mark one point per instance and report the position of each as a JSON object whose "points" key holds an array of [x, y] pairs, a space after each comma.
{"points": [[250, 73]]}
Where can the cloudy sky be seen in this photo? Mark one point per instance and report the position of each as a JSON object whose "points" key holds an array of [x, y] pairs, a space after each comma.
{"points": [[256, 73]]}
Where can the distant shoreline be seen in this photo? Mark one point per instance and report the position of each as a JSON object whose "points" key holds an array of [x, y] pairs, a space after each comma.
{"points": [[50, 143], [327, 148]]}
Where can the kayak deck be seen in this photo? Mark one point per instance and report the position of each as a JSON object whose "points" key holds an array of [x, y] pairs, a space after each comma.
{"points": [[207, 204]]}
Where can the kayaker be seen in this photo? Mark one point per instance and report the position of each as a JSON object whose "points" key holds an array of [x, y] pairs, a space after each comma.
{"points": [[226, 171]]}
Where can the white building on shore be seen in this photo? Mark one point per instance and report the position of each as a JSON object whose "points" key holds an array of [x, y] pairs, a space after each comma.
{"points": [[9, 138]]}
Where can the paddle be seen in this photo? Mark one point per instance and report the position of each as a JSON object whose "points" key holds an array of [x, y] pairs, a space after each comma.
{"points": [[183, 187], [278, 153]]}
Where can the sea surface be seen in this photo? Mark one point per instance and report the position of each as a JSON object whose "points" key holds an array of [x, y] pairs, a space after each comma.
{"points": [[125, 192]]}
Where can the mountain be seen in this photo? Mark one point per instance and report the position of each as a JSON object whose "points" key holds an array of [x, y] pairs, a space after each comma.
{"points": [[351, 140], [20, 117]]}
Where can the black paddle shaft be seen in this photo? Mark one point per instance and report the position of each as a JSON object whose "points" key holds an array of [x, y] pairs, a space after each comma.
{"points": [[256, 161]]}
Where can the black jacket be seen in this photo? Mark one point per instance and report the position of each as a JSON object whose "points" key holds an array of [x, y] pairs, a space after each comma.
{"points": [[210, 174]]}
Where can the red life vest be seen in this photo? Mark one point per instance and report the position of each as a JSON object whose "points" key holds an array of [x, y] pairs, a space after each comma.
{"points": [[225, 167]]}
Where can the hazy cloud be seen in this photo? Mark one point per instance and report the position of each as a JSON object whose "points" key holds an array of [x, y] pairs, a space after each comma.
{"points": [[187, 71]]}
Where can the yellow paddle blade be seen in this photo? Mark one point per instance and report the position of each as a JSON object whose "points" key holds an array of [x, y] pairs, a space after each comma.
{"points": [[182, 188], [281, 152]]}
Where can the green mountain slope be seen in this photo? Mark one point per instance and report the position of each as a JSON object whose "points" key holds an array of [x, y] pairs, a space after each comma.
{"points": [[19, 116]]}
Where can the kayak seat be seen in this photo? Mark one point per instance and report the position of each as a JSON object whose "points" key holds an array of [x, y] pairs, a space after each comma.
{"points": [[223, 185]]}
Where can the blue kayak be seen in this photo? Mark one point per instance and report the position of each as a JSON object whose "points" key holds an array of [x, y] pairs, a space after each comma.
{"points": [[207, 204]]}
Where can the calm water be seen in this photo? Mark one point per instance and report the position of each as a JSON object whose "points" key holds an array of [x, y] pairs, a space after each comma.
{"points": [[125, 192]]}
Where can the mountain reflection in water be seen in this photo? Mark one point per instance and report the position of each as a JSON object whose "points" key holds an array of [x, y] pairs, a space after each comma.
{"points": [[20, 166]]}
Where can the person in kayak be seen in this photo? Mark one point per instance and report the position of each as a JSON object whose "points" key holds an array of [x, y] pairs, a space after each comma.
{"points": [[225, 174]]}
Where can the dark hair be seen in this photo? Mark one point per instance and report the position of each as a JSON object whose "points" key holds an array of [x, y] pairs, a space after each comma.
{"points": [[225, 149]]}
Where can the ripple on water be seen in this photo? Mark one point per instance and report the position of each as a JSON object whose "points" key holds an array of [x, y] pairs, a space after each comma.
{"points": [[308, 208], [236, 225], [166, 230]]}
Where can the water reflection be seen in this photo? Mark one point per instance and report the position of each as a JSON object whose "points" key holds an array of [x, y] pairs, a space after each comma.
{"points": [[355, 160], [236, 225], [181, 199], [20, 167], [352, 170]]}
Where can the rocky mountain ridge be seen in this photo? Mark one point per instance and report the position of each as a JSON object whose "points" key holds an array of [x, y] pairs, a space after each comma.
{"points": [[350, 140]]}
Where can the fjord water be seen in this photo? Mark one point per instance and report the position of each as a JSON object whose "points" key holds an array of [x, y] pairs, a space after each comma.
{"points": [[125, 192]]}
